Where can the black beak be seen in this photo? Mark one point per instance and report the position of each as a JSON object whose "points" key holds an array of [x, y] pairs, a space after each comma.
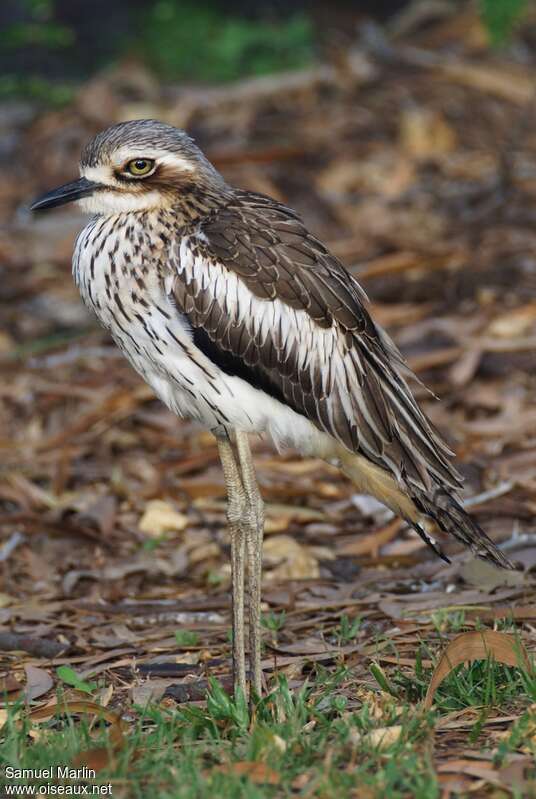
{"points": [[64, 194]]}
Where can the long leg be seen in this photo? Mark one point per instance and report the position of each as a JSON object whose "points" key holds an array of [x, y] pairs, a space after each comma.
{"points": [[254, 537], [236, 509]]}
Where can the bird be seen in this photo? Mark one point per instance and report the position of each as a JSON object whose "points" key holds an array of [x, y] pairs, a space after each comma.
{"points": [[240, 318]]}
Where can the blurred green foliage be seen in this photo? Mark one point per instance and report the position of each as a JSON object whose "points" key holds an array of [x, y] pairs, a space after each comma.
{"points": [[501, 18], [48, 92], [179, 39], [182, 39], [47, 34], [40, 29]]}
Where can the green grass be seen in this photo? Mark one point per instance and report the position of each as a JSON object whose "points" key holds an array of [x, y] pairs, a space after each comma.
{"points": [[303, 739], [315, 741], [483, 683], [186, 638], [346, 733]]}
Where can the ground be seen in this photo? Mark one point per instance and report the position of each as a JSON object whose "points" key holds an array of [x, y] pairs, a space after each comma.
{"points": [[417, 168]]}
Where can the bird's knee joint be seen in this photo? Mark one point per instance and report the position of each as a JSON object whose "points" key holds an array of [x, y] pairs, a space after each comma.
{"points": [[246, 513], [237, 510]]}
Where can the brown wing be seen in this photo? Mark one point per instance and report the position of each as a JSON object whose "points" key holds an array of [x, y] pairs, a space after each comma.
{"points": [[267, 301]]}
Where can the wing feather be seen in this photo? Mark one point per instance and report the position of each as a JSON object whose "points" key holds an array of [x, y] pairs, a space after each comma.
{"points": [[277, 308]]}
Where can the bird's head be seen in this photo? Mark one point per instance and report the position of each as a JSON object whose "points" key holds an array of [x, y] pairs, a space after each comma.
{"points": [[138, 166]]}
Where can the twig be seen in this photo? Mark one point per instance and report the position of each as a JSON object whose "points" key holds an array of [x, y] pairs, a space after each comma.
{"points": [[485, 496], [10, 545], [40, 647]]}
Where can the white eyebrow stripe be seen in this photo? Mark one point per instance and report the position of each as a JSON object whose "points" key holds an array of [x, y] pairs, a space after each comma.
{"points": [[176, 160], [160, 156]]}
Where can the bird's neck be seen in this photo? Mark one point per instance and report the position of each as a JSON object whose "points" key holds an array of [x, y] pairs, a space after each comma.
{"points": [[197, 204]]}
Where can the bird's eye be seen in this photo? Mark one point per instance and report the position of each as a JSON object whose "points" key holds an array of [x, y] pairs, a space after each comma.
{"points": [[140, 167]]}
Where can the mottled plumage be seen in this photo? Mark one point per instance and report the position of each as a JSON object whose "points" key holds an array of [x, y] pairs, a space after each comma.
{"points": [[239, 317]]}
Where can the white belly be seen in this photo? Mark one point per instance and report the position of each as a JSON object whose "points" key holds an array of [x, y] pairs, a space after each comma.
{"points": [[131, 302]]}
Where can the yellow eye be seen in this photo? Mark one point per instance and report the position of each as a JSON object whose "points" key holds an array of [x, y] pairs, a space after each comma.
{"points": [[140, 167]]}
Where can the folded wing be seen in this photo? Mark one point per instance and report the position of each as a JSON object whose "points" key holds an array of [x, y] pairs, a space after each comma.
{"points": [[267, 302]]}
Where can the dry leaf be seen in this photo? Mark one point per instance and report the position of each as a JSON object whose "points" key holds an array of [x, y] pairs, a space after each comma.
{"points": [[10, 686], [417, 606], [382, 737], [488, 577], [380, 705], [38, 682], [293, 513], [511, 83], [425, 133], [279, 743], [482, 769], [478, 645], [105, 694], [515, 773], [100, 756], [160, 517], [277, 524], [77, 707], [387, 173], [371, 543], [529, 737], [293, 560], [149, 691], [96, 759], [514, 323], [301, 781]]}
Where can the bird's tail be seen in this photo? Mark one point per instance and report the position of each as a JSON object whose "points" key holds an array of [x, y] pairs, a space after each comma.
{"points": [[438, 504]]}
